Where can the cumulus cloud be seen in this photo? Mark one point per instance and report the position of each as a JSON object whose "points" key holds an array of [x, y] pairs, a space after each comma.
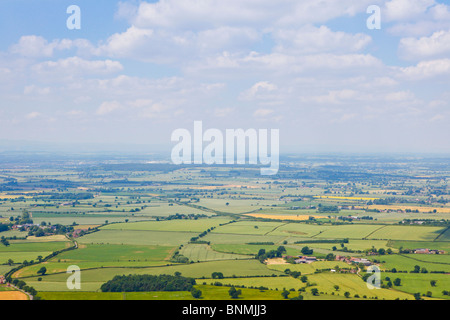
{"points": [[426, 69], [36, 46], [435, 46], [108, 107], [310, 39], [77, 66], [406, 10], [416, 17]]}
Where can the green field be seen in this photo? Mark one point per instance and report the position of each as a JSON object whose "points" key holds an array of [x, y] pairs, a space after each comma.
{"points": [[353, 284], [203, 252], [407, 233], [111, 252], [310, 268], [131, 237], [420, 283], [92, 279], [412, 245], [248, 227], [196, 226], [407, 262]]}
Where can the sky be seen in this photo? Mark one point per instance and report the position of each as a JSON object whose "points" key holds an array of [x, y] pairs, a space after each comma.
{"points": [[138, 70]]}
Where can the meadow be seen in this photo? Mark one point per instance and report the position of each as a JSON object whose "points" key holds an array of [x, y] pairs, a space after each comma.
{"points": [[334, 206]]}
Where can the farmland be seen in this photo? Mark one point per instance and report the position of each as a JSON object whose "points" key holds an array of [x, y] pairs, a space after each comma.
{"points": [[153, 219]]}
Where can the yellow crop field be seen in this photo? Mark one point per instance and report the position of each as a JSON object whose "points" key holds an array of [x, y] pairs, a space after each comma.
{"points": [[13, 295], [12, 196]]}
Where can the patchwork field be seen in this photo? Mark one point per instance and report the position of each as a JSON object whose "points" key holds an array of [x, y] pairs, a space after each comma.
{"points": [[156, 218]]}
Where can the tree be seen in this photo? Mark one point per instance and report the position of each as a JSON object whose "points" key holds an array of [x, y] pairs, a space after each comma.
{"points": [[433, 283], [336, 287], [314, 291], [416, 269], [217, 275], [304, 279], [417, 296], [196, 293], [234, 294], [42, 271], [397, 282], [330, 257], [285, 294], [347, 294]]}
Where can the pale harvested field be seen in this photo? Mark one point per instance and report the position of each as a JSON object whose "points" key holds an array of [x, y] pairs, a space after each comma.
{"points": [[86, 226], [284, 217], [57, 237], [275, 261], [13, 295]]}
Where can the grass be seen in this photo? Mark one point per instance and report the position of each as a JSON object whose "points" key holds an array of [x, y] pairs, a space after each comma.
{"points": [[348, 231], [25, 246], [208, 293], [114, 252], [220, 238], [92, 279], [136, 237], [407, 262], [413, 283], [248, 227], [252, 249], [407, 233], [420, 244], [353, 284], [203, 252], [19, 257], [310, 268], [197, 226]]}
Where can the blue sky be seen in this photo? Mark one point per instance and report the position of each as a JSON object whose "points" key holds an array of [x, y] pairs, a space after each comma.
{"points": [[137, 70]]}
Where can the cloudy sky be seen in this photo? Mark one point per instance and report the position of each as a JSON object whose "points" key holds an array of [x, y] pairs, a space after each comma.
{"points": [[138, 70]]}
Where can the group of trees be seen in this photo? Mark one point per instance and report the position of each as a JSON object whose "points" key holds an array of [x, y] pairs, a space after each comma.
{"points": [[143, 283], [263, 255]]}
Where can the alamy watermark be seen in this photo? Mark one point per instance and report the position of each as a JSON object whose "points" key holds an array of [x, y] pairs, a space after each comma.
{"points": [[236, 146], [74, 280], [74, 20], [374, 281], [374, 21]]}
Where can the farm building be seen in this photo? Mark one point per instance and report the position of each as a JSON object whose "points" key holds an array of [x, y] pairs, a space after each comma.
{"points": [[428, 251], [308, 260]]}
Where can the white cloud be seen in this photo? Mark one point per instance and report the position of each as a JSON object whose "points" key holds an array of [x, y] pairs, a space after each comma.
{"points": [[210, 14], [33, 115], [310, 39], [416, 17], [36, 46], [258, 90], [77, 66], [426, 69], [263, 113], [405, 10], [435, 46], [35, 90], [108, 107]]}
